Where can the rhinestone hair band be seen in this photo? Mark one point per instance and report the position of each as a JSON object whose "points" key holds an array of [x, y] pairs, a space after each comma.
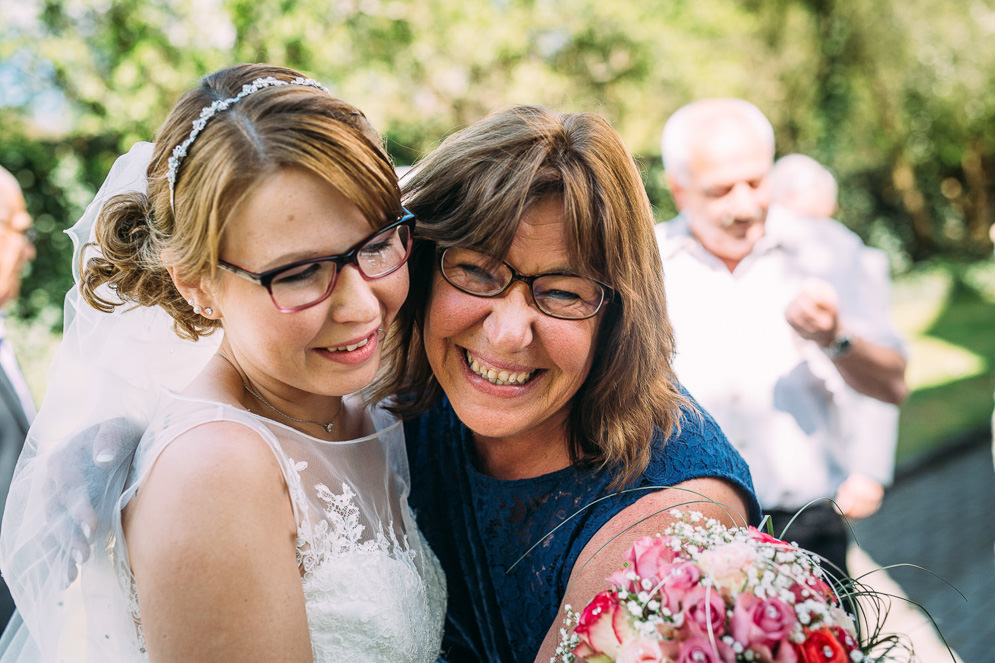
{"points": [[206, 113]]}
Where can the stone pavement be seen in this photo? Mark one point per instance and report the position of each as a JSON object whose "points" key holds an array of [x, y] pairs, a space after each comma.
{"points": [[940, 517]]}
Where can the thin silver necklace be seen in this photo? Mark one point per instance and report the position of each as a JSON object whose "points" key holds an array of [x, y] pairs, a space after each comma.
{"points": [[259, 397]]}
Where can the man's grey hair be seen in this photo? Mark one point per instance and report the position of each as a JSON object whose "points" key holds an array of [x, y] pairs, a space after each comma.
{"points": [[689, 122]]}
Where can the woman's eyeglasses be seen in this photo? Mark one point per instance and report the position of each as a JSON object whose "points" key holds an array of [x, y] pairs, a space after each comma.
{"points": [[304, 283], [560, 295]]}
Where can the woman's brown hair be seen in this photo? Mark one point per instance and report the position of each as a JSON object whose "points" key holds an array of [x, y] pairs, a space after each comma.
{"points": [[276, 127], [472, 191]]}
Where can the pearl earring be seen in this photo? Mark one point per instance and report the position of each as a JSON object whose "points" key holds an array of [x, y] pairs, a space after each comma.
{"points": [[208, 311], [196, 309]]}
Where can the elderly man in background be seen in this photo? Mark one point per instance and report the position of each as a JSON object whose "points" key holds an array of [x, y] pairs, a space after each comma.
{"points": [[772, 330], [16, 407]]}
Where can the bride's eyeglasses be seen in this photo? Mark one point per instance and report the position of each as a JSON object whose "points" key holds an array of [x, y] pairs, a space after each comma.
{"points": [[304, 283]]}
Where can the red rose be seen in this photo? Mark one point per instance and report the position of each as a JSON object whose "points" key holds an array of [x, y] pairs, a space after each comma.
{"points": [[822, 646], [845, 638], [764, 537], [814, 587]]}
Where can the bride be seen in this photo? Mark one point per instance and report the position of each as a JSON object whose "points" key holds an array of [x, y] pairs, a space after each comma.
{"points": [[264, 514]]}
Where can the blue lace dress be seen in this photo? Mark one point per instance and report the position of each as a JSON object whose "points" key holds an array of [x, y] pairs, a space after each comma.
{"points": [[479, 527]]}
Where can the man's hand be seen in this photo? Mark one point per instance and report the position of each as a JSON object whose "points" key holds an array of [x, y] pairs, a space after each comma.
{"points": [[83, 475], [859, 496], [873, 369], [814, 312]]}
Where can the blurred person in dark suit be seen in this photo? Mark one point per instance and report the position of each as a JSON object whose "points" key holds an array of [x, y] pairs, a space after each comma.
{"points": [[16, 406]]}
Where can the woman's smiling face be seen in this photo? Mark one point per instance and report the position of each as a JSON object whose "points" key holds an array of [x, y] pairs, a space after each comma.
{"points": [[509, 370], [331, 348]]}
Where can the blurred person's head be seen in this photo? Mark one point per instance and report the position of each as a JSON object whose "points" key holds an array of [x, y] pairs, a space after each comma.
{"points": [[804, 186], [16, 247], [717, 154]]}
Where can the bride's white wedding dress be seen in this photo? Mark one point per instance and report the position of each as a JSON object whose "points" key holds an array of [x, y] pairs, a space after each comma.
{"points": [[373, 589]]}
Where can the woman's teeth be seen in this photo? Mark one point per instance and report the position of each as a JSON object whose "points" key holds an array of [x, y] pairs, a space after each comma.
{"points": [[498, 376], [349, 348]]}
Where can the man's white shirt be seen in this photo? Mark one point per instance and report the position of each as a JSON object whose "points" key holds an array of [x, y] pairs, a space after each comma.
{"points": [[777, 396]]}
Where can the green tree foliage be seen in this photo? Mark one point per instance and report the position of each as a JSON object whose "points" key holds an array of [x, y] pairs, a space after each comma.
{"points": [[896, 98]]}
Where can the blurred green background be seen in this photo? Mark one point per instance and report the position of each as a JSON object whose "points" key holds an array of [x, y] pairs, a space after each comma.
{"points": [[896, 98]]}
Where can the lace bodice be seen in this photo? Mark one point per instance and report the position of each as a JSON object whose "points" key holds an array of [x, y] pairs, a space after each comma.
{"points": [[373, 590]]}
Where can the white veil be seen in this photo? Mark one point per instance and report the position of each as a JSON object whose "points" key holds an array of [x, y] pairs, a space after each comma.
{"points": [[102, 388]]}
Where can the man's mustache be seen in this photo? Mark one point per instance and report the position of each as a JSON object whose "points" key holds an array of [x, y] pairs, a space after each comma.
{"points": [[729, 220]]}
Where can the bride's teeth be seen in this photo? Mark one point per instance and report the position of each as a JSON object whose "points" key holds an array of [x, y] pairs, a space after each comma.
{"points": [[350, 347], [497, 376]]}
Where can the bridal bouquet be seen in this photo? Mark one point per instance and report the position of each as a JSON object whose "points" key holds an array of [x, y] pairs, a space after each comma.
{"points": [[705, 593]]}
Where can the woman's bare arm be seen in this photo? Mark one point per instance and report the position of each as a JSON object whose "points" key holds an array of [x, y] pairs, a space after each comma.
{"points": [[603, 554], [212, 541]]}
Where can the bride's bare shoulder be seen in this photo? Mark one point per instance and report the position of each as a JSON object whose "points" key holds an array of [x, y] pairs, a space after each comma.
{"points": [[216, 474], [211, 538]]}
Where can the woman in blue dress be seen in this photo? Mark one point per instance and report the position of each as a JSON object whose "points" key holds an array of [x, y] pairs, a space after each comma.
{"points": [[546, 430]]}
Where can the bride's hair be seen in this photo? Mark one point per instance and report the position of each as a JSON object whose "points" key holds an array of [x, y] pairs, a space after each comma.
{"points": [[271, 128]]}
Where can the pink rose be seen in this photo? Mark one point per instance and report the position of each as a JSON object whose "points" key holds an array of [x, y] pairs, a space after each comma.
{"points": [[648, 554], [620, 579], [681, 578], [584, 652], [727, 564], [761, 621], [700, 650], [644, 650], [595, 625], [704, 609], [787, 652], [602, 627]]}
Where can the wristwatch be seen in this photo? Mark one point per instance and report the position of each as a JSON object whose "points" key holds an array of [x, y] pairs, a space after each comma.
{"points": [[840, 346]]}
